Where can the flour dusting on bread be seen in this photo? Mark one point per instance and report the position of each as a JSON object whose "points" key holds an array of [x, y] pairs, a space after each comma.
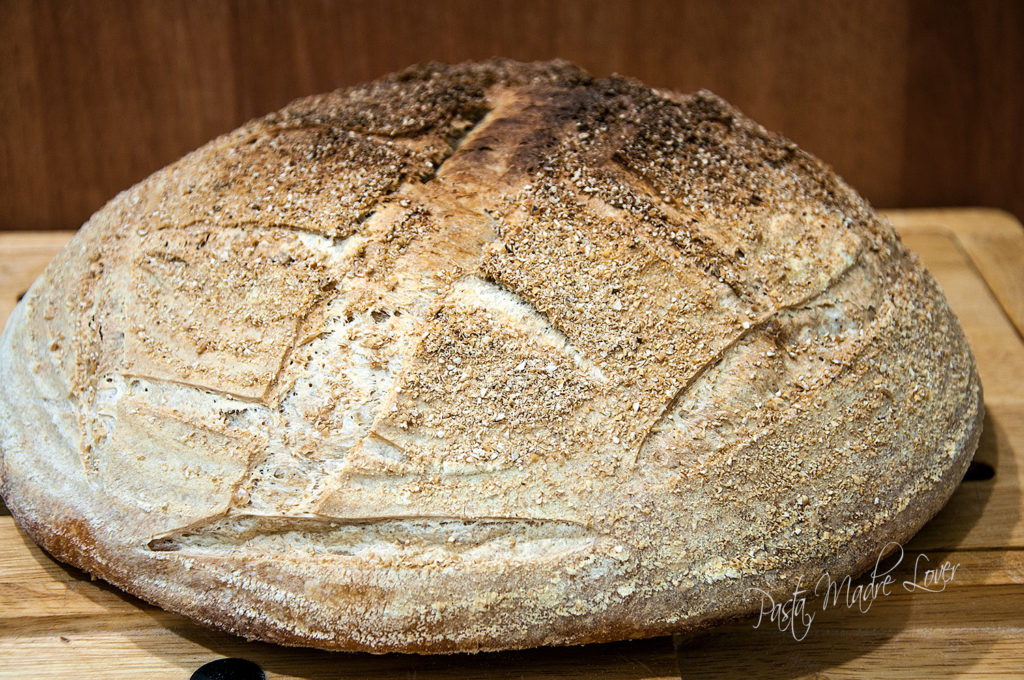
{"points": [[482, 357]]}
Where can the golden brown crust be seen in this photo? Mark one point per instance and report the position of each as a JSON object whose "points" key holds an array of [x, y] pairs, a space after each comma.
{"points": [[482, 357]]}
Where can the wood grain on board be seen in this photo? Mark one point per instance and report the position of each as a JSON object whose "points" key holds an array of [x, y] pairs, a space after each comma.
{"points": [[54, 620]]}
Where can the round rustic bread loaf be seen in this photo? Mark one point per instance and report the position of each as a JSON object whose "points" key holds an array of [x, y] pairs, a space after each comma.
{"points": [[482, 357]]}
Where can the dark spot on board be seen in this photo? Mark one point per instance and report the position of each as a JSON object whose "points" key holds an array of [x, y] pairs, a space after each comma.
{"points": [[229, 669], [979, 472]]}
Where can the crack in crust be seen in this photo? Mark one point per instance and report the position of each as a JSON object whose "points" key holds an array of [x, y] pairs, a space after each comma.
{"points": [[764, 325], [416, 539]]}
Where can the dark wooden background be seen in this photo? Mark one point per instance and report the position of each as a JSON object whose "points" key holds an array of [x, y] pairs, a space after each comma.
{"points": [[916, 103]]}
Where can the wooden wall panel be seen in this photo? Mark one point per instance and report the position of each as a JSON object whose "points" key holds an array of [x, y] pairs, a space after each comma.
{"points": [[965, 109], [914, 102]]}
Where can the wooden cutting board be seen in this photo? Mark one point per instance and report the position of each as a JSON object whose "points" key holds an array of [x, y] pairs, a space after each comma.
{"points": [[55, 622]]}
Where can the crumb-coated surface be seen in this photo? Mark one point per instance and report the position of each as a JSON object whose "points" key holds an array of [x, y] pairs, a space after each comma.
{"points": [[482, 357]]}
